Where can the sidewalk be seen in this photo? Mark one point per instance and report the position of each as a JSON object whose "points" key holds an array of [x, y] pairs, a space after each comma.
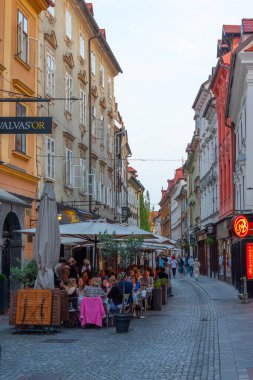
{"points": [[235, 330], [216, 289], [4, 323]]}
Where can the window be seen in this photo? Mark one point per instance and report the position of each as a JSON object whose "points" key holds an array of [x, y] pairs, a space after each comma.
{"points": [[51, 10], [69, 168], [82, 51], [20, 143], [109, 87], [82, 107], [93, 63], [50, 153], [68, 24], [50, 75], [93, 116], [22, 37], [102, 76], [68, 93]]}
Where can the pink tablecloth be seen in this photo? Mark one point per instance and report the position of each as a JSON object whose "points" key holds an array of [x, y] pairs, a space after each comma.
{"points": [[92, 311]]}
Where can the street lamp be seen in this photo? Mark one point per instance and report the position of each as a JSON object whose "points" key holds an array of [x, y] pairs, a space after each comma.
{"points": [[90, 119]]}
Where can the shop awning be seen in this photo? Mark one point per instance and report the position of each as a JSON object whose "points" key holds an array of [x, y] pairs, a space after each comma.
{"points": [[9, 198]]}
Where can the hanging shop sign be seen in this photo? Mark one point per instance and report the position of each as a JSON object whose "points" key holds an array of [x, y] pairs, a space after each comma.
{"points": [[249, 260], [240, 226], [25, 125]]}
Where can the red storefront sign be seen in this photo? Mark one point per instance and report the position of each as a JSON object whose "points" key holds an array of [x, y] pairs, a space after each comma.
{"points": [[249, 261], [240, 226]]}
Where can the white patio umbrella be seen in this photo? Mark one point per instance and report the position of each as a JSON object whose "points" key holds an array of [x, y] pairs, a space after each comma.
{"points": [[47, 239]]}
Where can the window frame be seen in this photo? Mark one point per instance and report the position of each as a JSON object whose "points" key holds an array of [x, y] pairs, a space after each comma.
{"points": [[69, 159], [50, 153], [68, 93], [82, 106], [68, 24], [93, 62], [20, 112], [22, 37], [82, 45], [50, 76]]}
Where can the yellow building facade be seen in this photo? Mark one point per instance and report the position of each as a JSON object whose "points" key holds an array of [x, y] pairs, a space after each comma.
{"points": [[19, 50]]}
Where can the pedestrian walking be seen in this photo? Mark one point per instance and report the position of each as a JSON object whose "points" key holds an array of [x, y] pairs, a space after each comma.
{"points": [[180, 267], [191, 265], [174, 266], [196, 268]]}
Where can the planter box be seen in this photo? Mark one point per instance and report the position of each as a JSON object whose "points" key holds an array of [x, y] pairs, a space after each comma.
{"points": [[122, 322], [3, 296], [164, 294], [157, 299]]}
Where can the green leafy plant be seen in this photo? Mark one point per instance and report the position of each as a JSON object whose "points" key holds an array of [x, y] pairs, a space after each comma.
{"points": [[2, 277], [210, 240], [157, 284], [26, 274]]}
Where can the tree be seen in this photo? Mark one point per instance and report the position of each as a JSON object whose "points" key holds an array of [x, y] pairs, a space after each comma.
{"points": [[144, 211]]}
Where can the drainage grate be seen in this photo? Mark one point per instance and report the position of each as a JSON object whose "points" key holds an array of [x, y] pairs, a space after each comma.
{"points": [[61, 341], [47, 376]]}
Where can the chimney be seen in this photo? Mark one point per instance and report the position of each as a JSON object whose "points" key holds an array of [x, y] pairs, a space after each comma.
{"points": [[90, 8]]}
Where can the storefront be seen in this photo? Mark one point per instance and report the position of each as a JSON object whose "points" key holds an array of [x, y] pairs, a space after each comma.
{"points": [[224, 240], [242, 252]]}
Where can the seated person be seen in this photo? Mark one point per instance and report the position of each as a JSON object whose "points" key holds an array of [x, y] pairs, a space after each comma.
{"points": [[136, 284], [125, 285], [115, 295], [94, 289], [147, 281], [72, 293]]}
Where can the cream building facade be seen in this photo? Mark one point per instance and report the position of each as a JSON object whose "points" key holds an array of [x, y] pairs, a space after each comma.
{"points": [[65, 157]]}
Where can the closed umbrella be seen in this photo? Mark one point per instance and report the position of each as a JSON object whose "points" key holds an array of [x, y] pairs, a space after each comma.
{"points": [[47, 239]]}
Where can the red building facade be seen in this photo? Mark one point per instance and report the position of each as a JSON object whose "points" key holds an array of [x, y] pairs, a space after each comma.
{"points": [[228, 43]]}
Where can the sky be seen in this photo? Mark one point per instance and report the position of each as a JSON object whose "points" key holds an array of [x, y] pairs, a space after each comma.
{"points": [[166, 50]]}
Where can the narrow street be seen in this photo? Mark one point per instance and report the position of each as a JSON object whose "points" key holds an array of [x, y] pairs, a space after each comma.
{"points": [[203, 333]]}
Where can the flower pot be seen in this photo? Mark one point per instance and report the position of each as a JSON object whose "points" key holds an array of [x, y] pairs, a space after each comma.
{"points": [[157, 299], [122, 322], [164, 294], [3, 295]]}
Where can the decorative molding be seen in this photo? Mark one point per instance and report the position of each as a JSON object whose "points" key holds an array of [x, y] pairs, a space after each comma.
{"points": [[21, 155], [94, 156], [82, 130], [51, 39], [110, 113], [69, 60], [94, 92], [22, 87], [81, 60], [68, 42], [82, 147], [51, 18], [102, 103], [2, 68], [69, 138], [82, 76], [24, 64]]}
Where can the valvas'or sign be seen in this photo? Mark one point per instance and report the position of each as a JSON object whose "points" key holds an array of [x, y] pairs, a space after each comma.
{"points": [[25, 125]]}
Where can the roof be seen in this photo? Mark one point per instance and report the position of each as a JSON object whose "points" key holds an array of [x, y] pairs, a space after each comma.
{"points": [[90, 7], [96, 31], [131, 169], [247, 25], [232, 29], [202, 88]]}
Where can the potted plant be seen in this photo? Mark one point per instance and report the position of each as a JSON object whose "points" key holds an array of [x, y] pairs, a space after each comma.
{"points": [[26, 274], [3, 293], [157, 295]]}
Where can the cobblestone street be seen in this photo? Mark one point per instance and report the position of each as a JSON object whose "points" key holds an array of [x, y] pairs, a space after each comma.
{"points": [[198, 335]]}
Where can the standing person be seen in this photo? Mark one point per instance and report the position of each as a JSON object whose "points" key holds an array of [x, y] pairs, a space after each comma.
{"points": [[174, 266], [86, 266], [191, 265], [196, 268], [180, 267], [73, 272]]}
